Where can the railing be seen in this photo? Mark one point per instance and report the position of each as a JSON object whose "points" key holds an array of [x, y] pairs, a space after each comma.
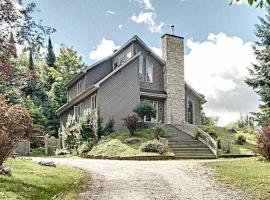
{"points": [[201, 135]]}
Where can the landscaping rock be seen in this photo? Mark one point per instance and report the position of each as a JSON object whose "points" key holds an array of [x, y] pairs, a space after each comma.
{"points": [[133, 140], [47, 164], [5, 170]]}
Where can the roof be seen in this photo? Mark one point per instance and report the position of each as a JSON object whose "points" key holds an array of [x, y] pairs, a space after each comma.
{"points": [[196, 93], [133, 39]]}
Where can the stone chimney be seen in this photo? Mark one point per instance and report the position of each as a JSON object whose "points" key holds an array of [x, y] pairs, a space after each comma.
{"points": [[174, 80]]}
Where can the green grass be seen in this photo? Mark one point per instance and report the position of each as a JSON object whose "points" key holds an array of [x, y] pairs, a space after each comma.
{"points": [[248, 174], [224, 135], [113, 144], [32, 181]]}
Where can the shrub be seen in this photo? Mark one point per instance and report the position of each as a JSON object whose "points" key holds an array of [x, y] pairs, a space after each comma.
{"points": [[15, 124], [153, 146], [263, 142], [145, 109], [61, 152], [159, 130], [241, 139], [99, 125], [85, 148], [226, 147], [39, 151], [131, 122], [208, 129], [87, 131], [109, 127]]}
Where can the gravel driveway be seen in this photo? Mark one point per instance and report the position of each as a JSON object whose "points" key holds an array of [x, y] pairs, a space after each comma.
{"points": [[150, 180]]}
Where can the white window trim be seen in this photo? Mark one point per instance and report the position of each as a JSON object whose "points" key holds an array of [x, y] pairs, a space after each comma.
{"points": [[74, 110], [95, 106], [79, 91], [193, 110]]}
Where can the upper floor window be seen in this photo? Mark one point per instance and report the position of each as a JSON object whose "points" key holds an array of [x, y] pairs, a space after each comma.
{"points": [[115, 65], [125, 57], [79, 87], [149, 71], [94, 102], [190, 112], [141, 64], [77, 112]]}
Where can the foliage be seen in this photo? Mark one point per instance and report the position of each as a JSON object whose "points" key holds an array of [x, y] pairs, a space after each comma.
{"points": [[85, 147], [153, 146], [209, 129], [32, 181], [50, 57], [131, 122], [159, 130], [209, 120], [263, 142], [87, 130], [15, 124], [241, 139], [109, 126], [259, 78], [100, 130], [247, 174], [259, 3], [39, 151], [145, 109]]}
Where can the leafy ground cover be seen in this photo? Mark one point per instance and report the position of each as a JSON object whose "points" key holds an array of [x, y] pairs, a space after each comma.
{"points": [[246, 173], [32, 181], [115, 145], [223, 134]]}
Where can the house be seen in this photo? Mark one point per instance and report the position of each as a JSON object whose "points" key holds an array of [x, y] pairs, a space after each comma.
{"points": [[131, 74]]}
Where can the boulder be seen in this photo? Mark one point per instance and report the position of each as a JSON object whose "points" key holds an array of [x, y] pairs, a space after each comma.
{"points": [[5, 170], [47, 164], [133, 140]]}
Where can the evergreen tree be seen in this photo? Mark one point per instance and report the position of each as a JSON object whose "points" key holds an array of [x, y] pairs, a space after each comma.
{"points": [[50, 58], [259, 78]]}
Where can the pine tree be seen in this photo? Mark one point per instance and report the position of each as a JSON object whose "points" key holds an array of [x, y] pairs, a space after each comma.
{"points": [[50, 58], [259, 78]]}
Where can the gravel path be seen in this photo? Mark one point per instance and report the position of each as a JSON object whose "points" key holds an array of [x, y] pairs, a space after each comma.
{"points": [[150, 180]]}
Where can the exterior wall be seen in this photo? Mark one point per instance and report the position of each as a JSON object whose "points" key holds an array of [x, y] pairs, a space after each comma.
{"points": [[158, 71], [124, 51], [118, 95], [72, 91], [174, 81], [197, 106], [98, 72], [160, 107]]}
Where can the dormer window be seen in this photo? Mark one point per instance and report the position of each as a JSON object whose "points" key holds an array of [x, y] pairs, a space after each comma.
{"points": [[149, 71], [79, 87]]}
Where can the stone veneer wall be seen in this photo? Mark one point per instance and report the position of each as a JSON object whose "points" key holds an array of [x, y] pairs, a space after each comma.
{"points": [[174, 81]]}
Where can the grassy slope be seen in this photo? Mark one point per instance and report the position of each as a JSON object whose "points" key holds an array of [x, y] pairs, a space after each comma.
{"points": [[32, 181], [224, 134], [113, 144], [249, 174]]}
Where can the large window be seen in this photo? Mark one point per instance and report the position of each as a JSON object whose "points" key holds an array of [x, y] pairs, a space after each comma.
{"points": [[141, 64], [190, 112], [125, 57], [77, 112], [93, 102], [79, 87], [149, 71]]}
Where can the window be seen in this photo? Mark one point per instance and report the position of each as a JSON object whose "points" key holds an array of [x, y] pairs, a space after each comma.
{"points": [[115, 65], [190, 112], [77, 112], [79, 87], [141, 67], [125, 57], [129, 55], [149, 71], [93, 102]]}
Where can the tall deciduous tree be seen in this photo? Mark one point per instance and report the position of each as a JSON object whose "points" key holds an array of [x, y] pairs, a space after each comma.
{"points": [[259, 78]]}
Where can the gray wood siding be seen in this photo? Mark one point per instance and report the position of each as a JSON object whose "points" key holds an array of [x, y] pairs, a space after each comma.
{"points": [[197, 106], [158, 73], [98, 72], [118, 95], [72, 90]]}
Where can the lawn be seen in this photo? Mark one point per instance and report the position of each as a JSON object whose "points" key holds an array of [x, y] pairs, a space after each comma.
{"points": [[223, 134], [114, 144], [246, 173], [32, 181]]}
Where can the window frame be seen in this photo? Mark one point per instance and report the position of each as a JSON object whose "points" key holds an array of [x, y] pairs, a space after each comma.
{"points": [[193, 111], [77, 114], [147, 61], [94, 96], [79, 87]]}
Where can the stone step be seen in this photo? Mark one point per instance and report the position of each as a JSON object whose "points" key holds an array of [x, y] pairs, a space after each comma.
{"points": [[181, 149]]}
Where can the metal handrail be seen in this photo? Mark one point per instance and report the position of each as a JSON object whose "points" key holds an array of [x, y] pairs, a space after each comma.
{"points": [[201, 135]]}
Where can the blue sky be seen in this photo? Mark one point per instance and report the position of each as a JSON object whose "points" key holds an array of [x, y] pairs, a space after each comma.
{"points": [[218, 40]]}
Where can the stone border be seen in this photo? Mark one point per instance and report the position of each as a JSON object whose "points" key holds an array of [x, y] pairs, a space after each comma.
{"points": [[132, 157]]}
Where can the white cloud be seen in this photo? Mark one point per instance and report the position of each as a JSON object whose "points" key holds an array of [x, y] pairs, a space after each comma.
{"points": [[111, 12], [103, 49], [239, 2], [217, 68], [157, 50], [120, 26], [147, 16]]}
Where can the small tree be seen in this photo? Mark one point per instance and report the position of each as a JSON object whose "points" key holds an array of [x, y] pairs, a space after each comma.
{"points": [[15, 124], [159, 130], [109, 127], [131, 122], [145, 109], [263, 142]]}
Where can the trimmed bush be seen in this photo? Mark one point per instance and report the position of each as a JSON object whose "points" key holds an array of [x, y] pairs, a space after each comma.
{"points": [[131, 122], [159, 130], [153, 146], [145, 109]]}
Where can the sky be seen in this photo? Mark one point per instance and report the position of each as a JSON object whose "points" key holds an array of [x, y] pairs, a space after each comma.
{"points": [[218, 40]]}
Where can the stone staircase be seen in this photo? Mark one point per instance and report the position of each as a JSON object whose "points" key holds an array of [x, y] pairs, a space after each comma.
{"points": [[185, 146]]}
